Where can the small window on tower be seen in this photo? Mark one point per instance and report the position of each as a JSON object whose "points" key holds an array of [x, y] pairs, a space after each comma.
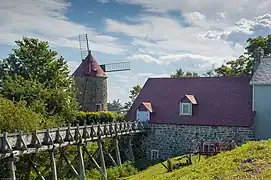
{"points": [[98, 107]]}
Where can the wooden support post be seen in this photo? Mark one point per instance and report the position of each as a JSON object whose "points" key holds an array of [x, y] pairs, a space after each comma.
{"points": [[109, 155], [102, 158], [131, 154], [59, 168], [117, 151], [69, 163], [82, 175], [93, 160], [11, 167], [53, 165], [36, 168]]}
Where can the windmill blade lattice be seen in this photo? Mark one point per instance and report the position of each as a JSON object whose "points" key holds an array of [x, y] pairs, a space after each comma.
{"points": [[112, 67], [84, 47]]}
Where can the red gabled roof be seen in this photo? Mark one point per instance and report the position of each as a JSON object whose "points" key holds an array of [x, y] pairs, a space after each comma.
{"points": [[225, 101], [89, 66], [191, 98], [148, 106]]}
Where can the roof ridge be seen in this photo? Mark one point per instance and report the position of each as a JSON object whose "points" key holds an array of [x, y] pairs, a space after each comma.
{"points": [[200, 77]]}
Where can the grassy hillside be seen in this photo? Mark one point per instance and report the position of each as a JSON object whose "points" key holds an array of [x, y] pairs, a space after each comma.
{"points": [[250, 161]]}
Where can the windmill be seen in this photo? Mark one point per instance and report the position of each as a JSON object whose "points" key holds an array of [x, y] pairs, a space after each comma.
{"points": [[91, 79]]}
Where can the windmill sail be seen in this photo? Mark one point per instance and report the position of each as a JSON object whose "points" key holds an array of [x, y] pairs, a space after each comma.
{"points": [[83, 43], [112, 67]]}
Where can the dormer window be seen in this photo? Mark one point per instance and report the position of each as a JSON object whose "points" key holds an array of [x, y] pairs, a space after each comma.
{"points": [[186, 105], [143, 113], [186, 109]]}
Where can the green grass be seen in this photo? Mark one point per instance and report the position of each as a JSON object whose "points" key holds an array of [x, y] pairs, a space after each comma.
{"points": [[250, 161]]}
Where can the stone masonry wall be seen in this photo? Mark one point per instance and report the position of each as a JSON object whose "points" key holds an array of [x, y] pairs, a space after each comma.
{"points": [[174, 140], [96, 92]]}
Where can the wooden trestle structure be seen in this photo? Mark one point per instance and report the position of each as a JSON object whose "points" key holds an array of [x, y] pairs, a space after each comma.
{"points": [[51, 140]]}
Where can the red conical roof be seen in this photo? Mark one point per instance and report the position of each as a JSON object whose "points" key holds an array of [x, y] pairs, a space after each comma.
{"points": [[89, 67]]}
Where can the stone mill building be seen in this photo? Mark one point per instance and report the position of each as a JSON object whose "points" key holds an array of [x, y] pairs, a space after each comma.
{"points": [[185, 110], [91, 83]]}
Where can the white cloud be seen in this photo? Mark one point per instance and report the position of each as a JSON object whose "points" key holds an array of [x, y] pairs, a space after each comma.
{"points": [[73, 65], [156, 40], [103, 1], [127, 81], [235, 10], [47, 21], [167, 59], [243, 29]]}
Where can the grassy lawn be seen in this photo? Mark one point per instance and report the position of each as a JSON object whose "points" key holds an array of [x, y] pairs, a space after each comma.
{"points": [[250, 161]]}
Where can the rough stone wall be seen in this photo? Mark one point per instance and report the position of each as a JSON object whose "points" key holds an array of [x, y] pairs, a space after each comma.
{"points": [[174, 140], [95, 92]]}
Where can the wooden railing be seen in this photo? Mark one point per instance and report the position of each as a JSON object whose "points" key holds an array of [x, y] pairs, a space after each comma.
{"points": [[26, 143]]}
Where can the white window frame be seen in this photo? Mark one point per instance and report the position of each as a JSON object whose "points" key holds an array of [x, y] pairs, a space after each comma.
{"points": [[189, 113], [149, 116], [210, 147], [154, 154]]}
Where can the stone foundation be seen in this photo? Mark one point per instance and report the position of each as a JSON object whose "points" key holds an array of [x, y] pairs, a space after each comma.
{"points": [[174, 140]]}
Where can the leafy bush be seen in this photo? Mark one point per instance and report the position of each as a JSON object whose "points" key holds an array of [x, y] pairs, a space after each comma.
{"points": [[17, 117], [114, 173], [97, 117]]}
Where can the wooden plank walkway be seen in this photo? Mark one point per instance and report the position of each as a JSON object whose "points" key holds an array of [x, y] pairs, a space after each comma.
{"points": [[26, 143], [51, 140]]}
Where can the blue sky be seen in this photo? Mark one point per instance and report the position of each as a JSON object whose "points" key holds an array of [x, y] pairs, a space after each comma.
{"points": [[156, 36]]}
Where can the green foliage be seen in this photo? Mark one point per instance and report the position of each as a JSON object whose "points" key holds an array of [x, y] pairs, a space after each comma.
{"points": [[181, 73], [19, 117], [114, 173], [142, 164], [259, 42], [115, 106], [239, 67], [243, 65], [250, 161], [133, 94], [97, 117], [34, 74]]}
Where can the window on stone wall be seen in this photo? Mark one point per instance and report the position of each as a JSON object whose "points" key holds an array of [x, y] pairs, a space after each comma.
{"points": [[154, 155], [208, 148], [98, 106]]}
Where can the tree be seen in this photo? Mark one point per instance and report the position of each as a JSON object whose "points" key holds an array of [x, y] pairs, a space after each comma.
{"points": [[181, 73], [133, 94], [243, 65], [258, 42], [209, 73], [34, 74], [115, 106]]}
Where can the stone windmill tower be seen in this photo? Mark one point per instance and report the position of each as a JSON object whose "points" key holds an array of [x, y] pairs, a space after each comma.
{"points": [[91, 80]]}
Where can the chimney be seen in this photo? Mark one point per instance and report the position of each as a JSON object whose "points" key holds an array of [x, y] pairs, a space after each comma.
{"points": [[258, 56]]}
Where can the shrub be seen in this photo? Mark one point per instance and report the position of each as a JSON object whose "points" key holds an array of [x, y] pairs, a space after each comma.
{"points": [[114, 173], [97, 117], [17, 117]]}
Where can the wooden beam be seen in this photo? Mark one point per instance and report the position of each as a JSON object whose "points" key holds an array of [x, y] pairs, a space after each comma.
{"points": [[93, 160], [69, 163], [117, 151], [12, 168], [36, 168], [82, 175], [101, 155], [130, 149], [53, 165], [109, 155], [59, 167]]}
